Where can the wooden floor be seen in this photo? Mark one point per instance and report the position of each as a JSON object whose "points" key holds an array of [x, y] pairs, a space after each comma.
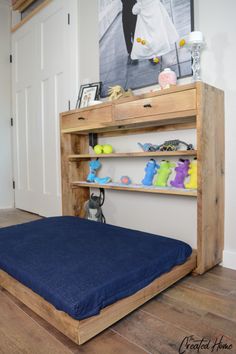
{"points": [[203, 306]]}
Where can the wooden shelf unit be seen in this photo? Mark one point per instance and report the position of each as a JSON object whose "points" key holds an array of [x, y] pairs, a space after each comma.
{"points": [[137, 188], [198, 106], [178, 153]]}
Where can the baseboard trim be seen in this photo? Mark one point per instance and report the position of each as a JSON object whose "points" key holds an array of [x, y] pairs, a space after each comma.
{"points": [[7, 207], [229, 259]]}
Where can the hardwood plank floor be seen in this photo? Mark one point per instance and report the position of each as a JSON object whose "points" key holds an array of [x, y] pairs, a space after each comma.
{"points": [[10, 217], [201, 307]]}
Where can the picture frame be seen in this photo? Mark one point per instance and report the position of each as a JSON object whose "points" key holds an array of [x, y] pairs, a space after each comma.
{"points": [[122, 62], [88, 93]]}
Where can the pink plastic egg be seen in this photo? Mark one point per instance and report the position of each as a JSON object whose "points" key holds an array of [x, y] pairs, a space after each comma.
{"points": [[167, 78]]}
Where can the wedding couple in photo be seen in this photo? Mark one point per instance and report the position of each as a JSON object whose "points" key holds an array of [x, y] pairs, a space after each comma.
{"points": [[148, 30]]}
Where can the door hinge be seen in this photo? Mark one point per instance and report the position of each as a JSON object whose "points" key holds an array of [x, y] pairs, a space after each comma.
{"points": [[68, 105], [13, 184], [68, 19], [12, 122], [10, 58]]}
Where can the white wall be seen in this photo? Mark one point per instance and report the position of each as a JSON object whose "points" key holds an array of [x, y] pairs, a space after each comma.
{"points": [[6, 192], [88, 41], [216, 19], [173, 216], [151, 213]]}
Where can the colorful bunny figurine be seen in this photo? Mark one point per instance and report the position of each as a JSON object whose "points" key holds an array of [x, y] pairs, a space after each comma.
{"points": [[164, 173], [94, 165], [92, 176], [181, 173], [151, 170], [192, 184]]}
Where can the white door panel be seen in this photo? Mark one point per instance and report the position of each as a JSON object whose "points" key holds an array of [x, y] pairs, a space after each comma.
{"points": [[44, 80], [24, 64], [53, 35]]}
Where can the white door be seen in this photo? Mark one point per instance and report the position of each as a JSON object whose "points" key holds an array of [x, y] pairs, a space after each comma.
{"points": [[45, 80]]}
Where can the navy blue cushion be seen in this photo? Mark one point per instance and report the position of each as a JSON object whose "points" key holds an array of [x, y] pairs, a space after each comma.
{"points": [[81, 266]]}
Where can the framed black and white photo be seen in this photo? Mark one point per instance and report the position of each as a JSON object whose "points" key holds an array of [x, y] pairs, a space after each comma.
{"points": [[87, 94], [140, 38]]}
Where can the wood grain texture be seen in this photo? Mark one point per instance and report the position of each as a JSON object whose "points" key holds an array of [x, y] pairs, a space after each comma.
{"points": [[87, 116], [187, 105], [157, 93], [58, 319], [163, 128], [111, 314], [160, 120], [19, 334], [73, 199], [205, 300], [136, 188], [198, 103], [150, 333], [11, 217], [209, 281], [81, 331], [224, 273], [172, 103], [164, 323], [107, 342], [134, 154], [188, 316], [210, 142]]}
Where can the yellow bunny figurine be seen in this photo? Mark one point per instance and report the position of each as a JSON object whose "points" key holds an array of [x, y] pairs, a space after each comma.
{"points": [[192, 184]]}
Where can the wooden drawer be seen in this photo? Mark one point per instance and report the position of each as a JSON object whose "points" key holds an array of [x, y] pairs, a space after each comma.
{"points": [[86, 117], [167, 103]]}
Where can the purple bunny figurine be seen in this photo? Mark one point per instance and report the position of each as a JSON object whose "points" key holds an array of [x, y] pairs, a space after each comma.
{"points": [[181, 173]]}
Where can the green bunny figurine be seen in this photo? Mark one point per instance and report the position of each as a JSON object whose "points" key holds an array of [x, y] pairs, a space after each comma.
{"points": [[163, 173]]}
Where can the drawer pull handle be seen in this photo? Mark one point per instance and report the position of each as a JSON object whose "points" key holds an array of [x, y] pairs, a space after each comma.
{"points": [[148, 105], [81, 118]]}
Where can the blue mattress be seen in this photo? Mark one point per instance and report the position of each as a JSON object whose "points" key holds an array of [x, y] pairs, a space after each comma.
{"points": [[81, 266]]}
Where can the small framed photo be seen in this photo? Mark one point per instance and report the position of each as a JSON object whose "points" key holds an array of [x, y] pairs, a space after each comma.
{"points": [[87, 94]]}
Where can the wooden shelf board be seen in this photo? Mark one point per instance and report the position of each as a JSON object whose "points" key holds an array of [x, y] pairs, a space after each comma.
{"points": [[134, 154], [137, 188], [164, 119]]}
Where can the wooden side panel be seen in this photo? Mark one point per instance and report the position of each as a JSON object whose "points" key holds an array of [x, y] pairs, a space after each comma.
{"points": [[82, 331], [88, 328], [210, 144], [59, 319], [73, 199]]}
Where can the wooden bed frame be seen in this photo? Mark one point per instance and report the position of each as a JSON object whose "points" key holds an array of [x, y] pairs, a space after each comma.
{"points": [[82, 331], [198, 106]]}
